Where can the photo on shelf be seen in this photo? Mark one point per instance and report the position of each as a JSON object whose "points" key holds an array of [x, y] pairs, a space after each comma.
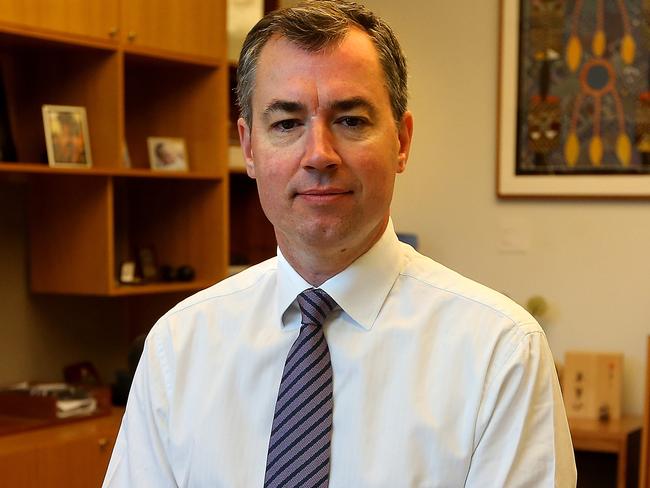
{"points": [[167, 153], [66, 136]]}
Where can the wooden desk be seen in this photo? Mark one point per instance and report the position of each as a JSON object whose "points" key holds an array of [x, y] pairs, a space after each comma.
{"points": [[614, 436]]}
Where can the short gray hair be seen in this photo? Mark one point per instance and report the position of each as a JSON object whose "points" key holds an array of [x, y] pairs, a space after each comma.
{"points": [[314, 25]]}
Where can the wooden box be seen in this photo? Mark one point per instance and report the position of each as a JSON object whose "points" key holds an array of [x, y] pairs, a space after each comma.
{"points": [[593, 385]]}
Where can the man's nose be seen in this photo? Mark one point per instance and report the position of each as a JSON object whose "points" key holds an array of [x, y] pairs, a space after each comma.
{"points": [[320, 150]]}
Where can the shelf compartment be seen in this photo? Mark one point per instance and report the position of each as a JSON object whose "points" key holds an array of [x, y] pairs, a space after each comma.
{"points": [[59, 74], [183, 222], [168, 99], [70, 237], [252, 238]]}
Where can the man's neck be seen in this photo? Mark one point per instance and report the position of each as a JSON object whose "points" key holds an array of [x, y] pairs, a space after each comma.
{"points": [[317, 265]]}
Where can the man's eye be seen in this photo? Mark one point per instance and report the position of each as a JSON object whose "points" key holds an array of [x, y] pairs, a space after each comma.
{"points": [[285, 125], [352, 122]]}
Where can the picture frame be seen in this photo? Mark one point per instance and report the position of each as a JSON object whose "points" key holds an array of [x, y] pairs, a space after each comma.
{"points": [[510, 183], [66, 136], [127, 273], [167, 154]]}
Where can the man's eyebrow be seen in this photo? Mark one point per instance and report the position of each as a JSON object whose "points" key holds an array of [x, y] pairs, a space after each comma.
{"points": [[282, 106], [344, 105], [352, 103]]}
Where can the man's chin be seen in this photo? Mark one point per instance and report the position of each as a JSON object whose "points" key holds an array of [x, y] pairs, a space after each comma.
{"points": [[330, 232]]}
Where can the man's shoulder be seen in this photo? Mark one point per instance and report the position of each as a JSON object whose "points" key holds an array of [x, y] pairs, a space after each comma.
{"points": [[462, 292], [242, 283]]}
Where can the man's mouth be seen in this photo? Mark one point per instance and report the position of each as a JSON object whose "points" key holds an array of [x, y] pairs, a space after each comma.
{"points": [[322, 194]]}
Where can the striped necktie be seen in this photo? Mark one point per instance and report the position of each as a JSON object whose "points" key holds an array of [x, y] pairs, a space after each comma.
{"points": [[299, 448]]}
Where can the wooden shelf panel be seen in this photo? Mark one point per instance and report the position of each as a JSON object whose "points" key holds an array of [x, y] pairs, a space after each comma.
{"points": [[168, 175], [156, 288], [149, 55], [41, 168], [22, 35]]}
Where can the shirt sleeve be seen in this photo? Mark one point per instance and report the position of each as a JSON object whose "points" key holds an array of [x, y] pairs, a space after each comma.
{"points": [[140, 458], [522, 437]]}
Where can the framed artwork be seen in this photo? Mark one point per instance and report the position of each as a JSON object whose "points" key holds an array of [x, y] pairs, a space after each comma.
{"points": [[167, 153], [573, 104], [66, 136]]}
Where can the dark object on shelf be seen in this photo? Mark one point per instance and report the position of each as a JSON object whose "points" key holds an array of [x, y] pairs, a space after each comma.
{"points": [[182, 273], [7, 147], [167, 273], [147, 264], [123, 379], [82, 373], [185, 273]]}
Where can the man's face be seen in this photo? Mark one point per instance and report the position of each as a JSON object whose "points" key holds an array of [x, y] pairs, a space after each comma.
{"points": [[324, 146]]}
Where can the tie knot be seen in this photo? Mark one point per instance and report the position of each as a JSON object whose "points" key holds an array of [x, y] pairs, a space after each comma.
{"points": [[315, 305]]}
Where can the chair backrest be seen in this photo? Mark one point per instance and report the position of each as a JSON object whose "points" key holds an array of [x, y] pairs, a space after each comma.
{"points": [[644, 481]]}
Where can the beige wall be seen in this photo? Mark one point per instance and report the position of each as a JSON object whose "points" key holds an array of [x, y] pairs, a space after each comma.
{"points": [[590, 260]]}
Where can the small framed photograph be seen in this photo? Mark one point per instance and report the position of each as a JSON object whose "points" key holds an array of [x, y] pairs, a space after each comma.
{"points": [[66, 136], [167, 153]]}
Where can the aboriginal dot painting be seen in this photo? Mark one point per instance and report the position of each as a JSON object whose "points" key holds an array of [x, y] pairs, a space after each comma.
{"points": [[584, 92]]}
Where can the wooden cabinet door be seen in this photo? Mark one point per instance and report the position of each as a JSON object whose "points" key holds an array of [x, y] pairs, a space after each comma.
{"points": [[77, 463], [190, 27], [93, 18], [56, 462], [17, 468], [73, 455]]}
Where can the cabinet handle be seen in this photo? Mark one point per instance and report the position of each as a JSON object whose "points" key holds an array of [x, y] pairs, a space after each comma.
{"points": [[103, 443], [113, 32], [131, 36]]}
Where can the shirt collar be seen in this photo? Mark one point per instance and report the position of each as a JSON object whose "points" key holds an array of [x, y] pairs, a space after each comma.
{"points": [[360, 289]]}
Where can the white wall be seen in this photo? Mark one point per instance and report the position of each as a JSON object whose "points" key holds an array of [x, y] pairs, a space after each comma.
{"points": [[590, 260]]}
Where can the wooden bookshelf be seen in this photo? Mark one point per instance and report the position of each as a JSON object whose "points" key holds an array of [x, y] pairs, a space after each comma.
{"points": [[138, 75]]}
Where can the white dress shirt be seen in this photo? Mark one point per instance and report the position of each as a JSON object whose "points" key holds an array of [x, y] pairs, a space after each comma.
{"points": [[438, 382]]}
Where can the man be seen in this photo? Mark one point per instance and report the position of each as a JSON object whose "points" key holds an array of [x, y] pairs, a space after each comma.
{"points": [[350, 359]]}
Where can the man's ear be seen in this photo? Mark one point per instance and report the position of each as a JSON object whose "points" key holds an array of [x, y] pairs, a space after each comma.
{"points": [[405, 135], [246, 147]]}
